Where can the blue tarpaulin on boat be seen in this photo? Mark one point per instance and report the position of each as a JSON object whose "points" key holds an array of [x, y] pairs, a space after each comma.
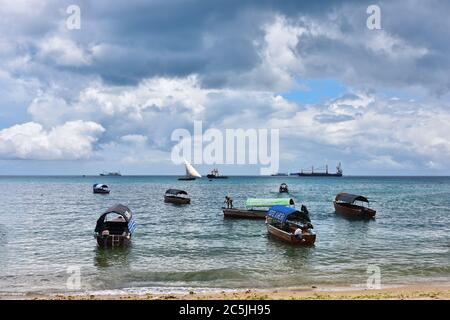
{"points": [[280, 213]]}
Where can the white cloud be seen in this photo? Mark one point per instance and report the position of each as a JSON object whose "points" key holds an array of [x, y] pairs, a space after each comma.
{"points": [[385, 132], [72, 140], [63, 51], [134, 138], [380, 131]]}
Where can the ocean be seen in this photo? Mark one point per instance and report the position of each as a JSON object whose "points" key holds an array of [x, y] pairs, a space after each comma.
{"points": [[47, 226]]}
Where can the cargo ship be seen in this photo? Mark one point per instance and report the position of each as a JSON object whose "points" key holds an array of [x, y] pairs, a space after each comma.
{"points": [[116, 174], [320, 172]]}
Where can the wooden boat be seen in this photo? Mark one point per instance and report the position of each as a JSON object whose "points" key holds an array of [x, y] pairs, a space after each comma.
{"points": [[283, 188], [215, 175], [344, 204], [115, 227], [186, 178], [100, 188], [256, 208], [290, 225], [191, 173], [176, 196]]}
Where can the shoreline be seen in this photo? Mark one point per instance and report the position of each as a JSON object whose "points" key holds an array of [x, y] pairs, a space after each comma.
{"points": [[395, 292]]}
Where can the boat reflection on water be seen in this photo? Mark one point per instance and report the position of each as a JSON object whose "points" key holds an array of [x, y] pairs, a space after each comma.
{"points": [[118, 257]]}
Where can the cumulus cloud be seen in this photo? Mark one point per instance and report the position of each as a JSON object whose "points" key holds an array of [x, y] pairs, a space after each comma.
{"points": [[70, 141], [63, 52], [384, 132], [136, 71]]}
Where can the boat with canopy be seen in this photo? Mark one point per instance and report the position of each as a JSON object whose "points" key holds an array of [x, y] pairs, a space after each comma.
{"points": [[256, 208], [115, 227], [100, 188], [176, 196], [290, 225], [283, 188], [353, 206]]}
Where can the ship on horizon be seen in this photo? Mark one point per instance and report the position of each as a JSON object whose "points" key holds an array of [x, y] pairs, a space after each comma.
{"points": [[103, 174], [319, 172]]}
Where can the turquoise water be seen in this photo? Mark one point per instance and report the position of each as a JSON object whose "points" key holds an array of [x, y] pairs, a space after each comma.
{"points": [[47, 226]]}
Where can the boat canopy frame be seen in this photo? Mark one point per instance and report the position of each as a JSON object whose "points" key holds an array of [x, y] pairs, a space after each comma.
{"points": [[282, 214], [350, 198], [99, 186], [175, 192], [269, 202], [120, 210]]}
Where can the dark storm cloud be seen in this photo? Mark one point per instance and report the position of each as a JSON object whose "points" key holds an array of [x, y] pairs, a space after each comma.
{"points": [[132, 40]]}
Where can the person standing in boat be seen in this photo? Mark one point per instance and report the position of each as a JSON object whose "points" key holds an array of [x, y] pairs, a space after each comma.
{"points": [[229, 202]]}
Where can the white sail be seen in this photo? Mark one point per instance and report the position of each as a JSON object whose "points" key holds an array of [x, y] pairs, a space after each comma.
{"points": [[190, 170]]}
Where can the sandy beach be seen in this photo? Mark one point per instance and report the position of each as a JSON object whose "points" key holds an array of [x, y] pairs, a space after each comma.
{"points": [[406, 292]]}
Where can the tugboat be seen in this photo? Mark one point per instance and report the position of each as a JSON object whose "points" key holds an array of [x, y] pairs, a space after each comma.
{"points": [[215, 175]]}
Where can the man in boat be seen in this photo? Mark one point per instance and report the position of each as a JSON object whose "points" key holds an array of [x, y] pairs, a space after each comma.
{"points": [[298, 233], [304, 209], [229, 202]]}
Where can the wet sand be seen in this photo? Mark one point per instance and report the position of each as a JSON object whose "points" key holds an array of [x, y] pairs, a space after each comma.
{"points": [[406, 292]]}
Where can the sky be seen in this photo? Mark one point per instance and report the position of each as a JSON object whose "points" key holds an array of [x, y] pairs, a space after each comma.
{"points": [[107, 96]]}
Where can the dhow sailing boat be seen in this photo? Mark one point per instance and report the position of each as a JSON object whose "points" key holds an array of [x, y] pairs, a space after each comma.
{"points": [[191, 173]]}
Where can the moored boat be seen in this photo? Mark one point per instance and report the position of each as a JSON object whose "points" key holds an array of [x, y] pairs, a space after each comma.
{"points": [[256, 208], [115, 227], [345, 204], [283, 188], [100, 188], [290, 225], [176, 196]]}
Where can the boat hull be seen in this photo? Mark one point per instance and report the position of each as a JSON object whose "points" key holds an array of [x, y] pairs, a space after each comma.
{"points": [[318, 174], [186, 179], [101, 191], [305, 240], [353, 211], [113, 241], [244, 214], [176, 200], [211, 176]]}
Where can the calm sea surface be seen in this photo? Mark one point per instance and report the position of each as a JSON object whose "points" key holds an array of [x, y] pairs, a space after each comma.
{"points": [[47, 227]]}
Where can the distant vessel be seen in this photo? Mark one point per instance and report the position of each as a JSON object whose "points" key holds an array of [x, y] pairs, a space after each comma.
{"points": [[279, 174], [215, 175], [100, 188], [110, 174], [191, 173], [319, 172]]}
